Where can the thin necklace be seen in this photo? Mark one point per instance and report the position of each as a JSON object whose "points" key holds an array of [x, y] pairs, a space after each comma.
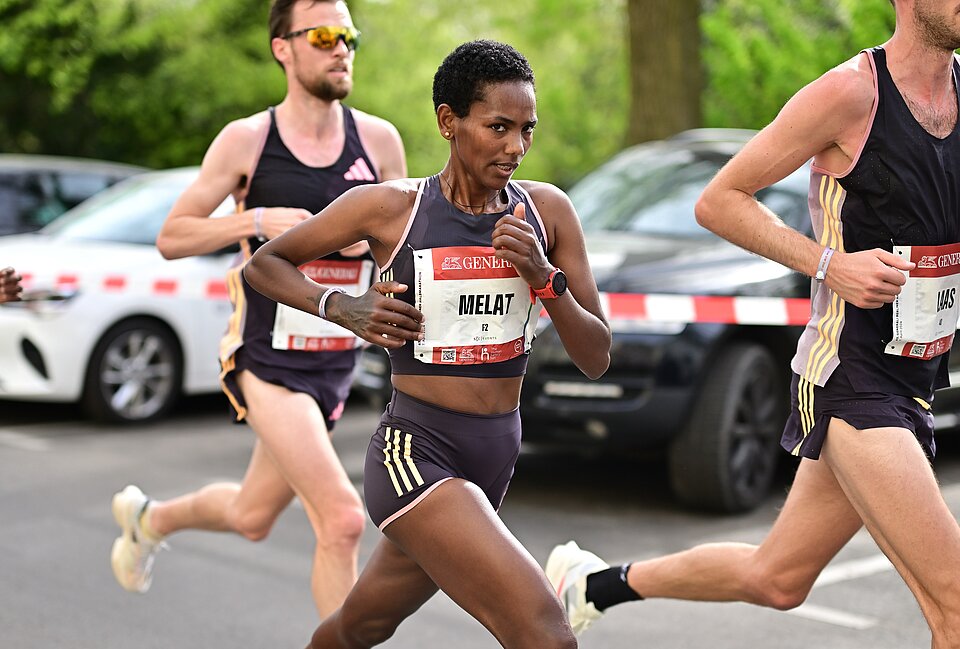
{"points": [[469, 208]]}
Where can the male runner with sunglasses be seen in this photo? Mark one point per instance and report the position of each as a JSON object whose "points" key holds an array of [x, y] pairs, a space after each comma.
{"points": [[285, 375]]}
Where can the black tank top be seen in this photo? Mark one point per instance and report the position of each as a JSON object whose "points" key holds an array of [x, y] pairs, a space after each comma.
{"points": [[904, 189], [281, 180], [436, 223]]}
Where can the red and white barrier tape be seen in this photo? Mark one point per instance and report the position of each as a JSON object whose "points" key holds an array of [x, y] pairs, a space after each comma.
{"points": [[618, 307], [213, 289], [635, 307]]}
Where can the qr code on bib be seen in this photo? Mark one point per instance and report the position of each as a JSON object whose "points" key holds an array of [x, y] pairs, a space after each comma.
{"points": [[918, 350], [448, 355]]}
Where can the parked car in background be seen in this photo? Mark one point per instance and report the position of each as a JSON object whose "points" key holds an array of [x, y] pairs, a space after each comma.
{"points": [[107, 321], [704, 335], [711, 396], [36, 189]]}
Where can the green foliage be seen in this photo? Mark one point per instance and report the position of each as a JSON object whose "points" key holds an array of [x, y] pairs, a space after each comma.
{"points": [[758, 53], [576, 49], [153, 81]]}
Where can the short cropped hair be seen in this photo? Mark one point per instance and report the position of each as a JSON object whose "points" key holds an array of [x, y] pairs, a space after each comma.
{"points": [[466, 71]]}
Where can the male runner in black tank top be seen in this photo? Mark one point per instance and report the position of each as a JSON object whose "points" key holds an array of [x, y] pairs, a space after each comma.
{"points": [[882, 131], [287, 164]]}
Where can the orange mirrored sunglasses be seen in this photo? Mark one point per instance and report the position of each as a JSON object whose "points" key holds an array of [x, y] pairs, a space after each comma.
{"points": [[326, 37]]}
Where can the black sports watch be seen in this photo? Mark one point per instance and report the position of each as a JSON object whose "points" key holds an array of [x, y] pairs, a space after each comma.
{"points": [[556, 286]]}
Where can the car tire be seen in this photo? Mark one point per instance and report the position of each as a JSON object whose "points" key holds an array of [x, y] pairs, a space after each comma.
{"points": [[726, 456], [135, 373]]}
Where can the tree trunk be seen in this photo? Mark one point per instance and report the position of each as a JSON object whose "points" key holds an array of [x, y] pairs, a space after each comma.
{"points": [[665, 71]]}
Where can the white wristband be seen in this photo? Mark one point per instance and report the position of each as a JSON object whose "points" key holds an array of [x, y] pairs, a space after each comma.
{"points": [[322, 305], [257, 225], [825, 258]]}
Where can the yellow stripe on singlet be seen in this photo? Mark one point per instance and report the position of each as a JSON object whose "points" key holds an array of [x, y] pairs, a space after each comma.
{"points": [[825, 348], [828, 327]]}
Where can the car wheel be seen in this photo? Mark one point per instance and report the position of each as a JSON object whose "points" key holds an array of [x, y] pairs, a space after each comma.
{"points": [[135, 373], [726, 456]]}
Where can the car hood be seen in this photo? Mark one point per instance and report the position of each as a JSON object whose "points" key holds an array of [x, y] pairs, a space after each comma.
{"points": [[624, 263]]}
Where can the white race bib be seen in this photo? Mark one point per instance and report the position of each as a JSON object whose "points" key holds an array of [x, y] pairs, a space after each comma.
{"points": [[296, 330], [476, 307], [926, 310]]}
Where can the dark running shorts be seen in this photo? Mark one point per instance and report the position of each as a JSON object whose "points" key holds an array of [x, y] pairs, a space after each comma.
{"points": [[329, 388], [812, 407], [418, 446]]}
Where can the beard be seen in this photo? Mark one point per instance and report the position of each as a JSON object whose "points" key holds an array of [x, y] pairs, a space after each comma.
{"points": [[326, 91], [934, 30]]}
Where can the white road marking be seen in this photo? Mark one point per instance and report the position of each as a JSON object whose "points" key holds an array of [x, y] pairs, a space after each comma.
{"points": [[833, 616], [854, 569], [22, 441], [835, 574]]}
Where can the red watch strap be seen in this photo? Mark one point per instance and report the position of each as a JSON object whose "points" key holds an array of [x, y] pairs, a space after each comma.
{"points": [[547, 291]]}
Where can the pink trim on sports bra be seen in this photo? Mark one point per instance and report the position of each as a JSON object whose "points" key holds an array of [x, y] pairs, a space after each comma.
{"points": [[406, 230]]}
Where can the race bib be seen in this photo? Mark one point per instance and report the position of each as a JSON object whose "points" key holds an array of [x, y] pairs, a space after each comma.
{"points": [[926, 310], [296, 330], [476, 307]]}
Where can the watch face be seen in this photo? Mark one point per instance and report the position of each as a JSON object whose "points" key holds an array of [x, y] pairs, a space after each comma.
{"points": [[559, 282]]}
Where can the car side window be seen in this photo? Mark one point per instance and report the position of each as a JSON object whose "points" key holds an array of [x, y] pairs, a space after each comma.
{"points": [[27, 201], [74, 188], [652, 199], [789, 205]]}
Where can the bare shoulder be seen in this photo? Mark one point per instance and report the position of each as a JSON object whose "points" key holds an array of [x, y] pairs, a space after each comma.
{"points": [[237, 143], [386, 199], [548, 198], [246, 131], [849, 89]]}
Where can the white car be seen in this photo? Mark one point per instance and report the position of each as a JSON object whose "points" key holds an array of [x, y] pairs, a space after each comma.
{"points": [[105, 319]]}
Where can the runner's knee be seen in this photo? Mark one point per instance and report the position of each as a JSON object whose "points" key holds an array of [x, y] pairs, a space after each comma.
{"points": [[542, 625], [342, 524], [775, 589]]}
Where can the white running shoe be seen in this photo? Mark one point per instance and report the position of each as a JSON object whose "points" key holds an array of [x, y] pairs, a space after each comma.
{"points": [[567, 569], [133, 552]]}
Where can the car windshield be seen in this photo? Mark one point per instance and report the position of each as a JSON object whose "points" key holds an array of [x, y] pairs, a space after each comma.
{"points": [[129, 212], [654, 194]]}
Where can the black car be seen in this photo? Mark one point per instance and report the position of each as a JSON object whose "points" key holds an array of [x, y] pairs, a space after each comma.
{"points": [[36, 189]]}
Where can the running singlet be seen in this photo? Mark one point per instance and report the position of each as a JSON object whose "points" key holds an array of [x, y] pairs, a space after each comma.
{"points": [[900, 194], [285, 337], [478, 317]]}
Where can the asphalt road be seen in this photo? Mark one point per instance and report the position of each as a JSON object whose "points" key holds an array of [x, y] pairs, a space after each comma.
{"points": [[213, 591]]}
